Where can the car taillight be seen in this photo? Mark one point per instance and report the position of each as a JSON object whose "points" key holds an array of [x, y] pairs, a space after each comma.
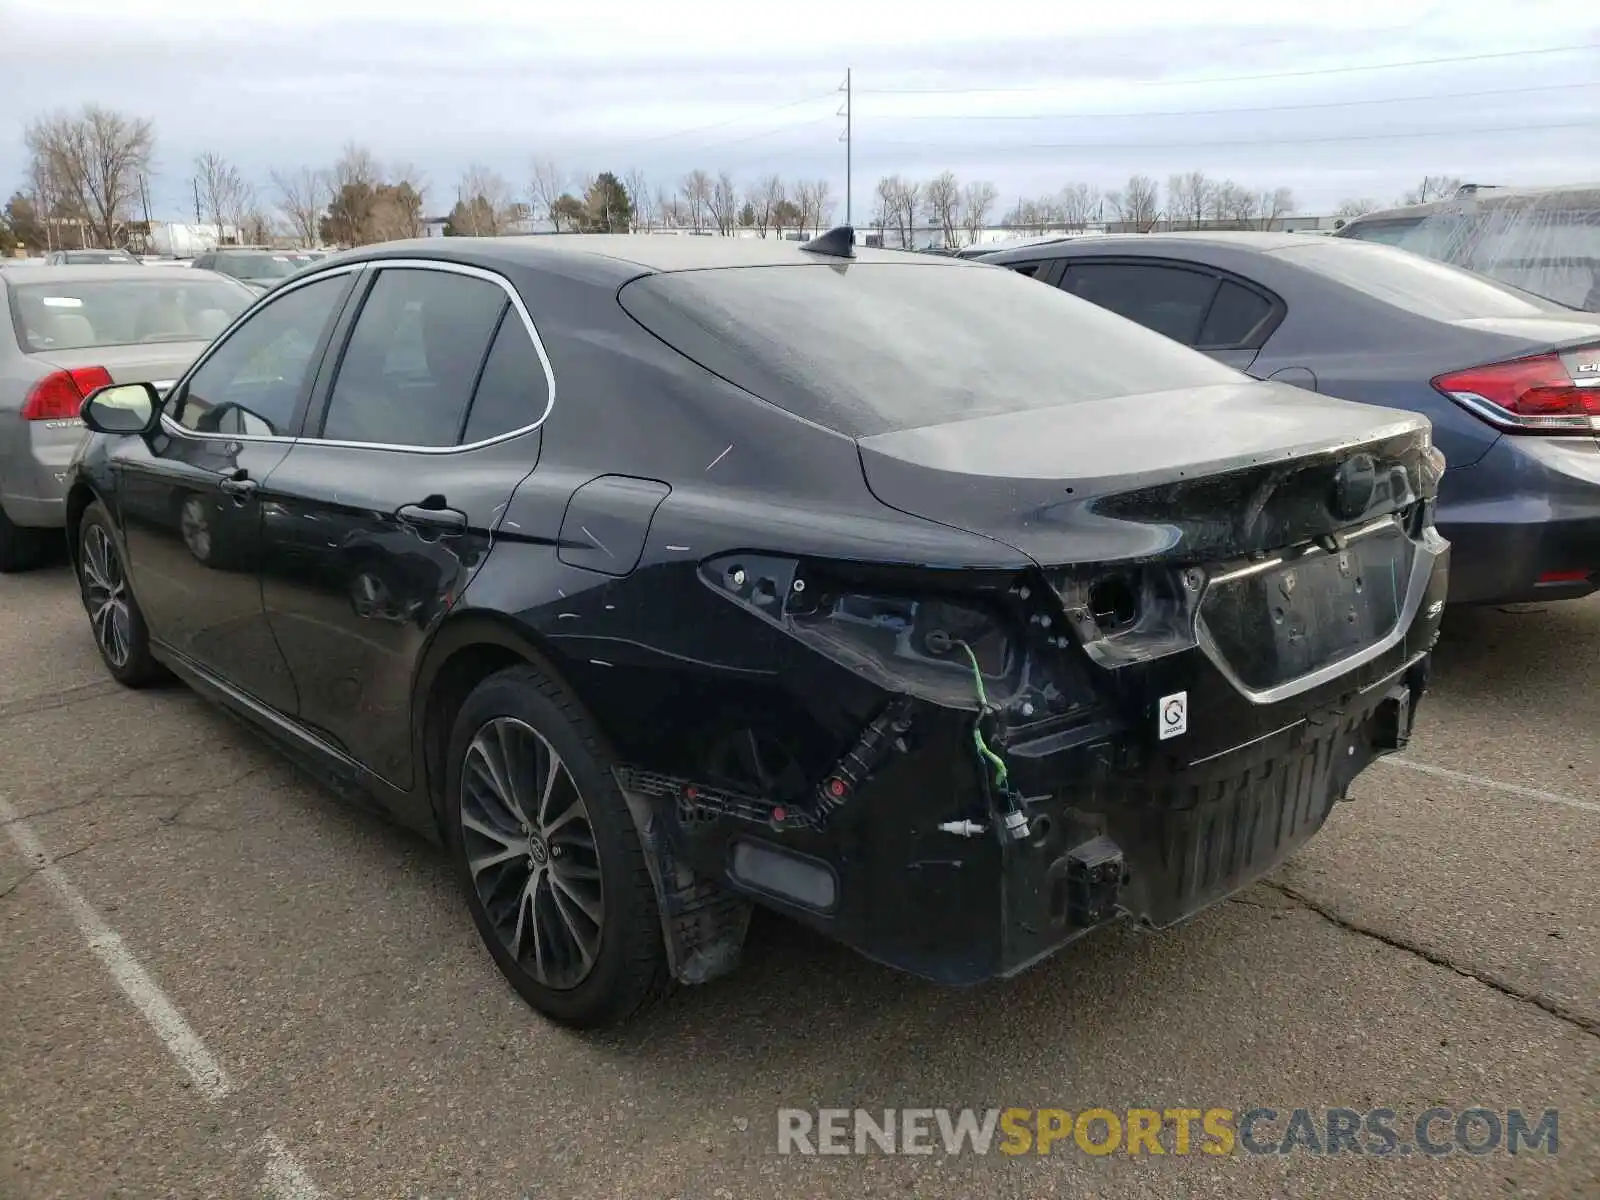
{"points": [[58, 396], [1531, 395]]}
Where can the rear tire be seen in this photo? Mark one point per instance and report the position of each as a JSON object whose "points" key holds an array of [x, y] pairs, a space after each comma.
{"points": [[556, 879], [115, 621], [20, 547]]}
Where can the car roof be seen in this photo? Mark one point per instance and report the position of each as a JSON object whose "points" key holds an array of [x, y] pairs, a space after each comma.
{"points": [[651, 252], [1112, 243], [94, 273], [1574, 196]]}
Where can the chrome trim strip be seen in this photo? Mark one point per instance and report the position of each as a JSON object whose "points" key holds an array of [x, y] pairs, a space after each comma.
{"points": [[1311, 551], [500, 281], [1416, 588], [264, 712]]}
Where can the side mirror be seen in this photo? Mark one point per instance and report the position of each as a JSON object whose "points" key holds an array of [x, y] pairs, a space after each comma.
{"points": [[122, 408]]}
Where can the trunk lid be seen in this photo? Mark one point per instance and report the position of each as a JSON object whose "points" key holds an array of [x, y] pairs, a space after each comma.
{"points": [[158, 363], [1535, 335], [1203, 475]]}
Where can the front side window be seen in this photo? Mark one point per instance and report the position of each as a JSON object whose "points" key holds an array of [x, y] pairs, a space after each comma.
{"points": [[413, 358], [253, 382], [1169, 300]]}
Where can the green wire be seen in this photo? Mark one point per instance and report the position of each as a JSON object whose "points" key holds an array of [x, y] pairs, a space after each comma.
{"points": [[1000, 772]]}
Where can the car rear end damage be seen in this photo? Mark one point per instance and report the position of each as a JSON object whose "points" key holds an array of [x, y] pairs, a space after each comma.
{"points": [[1221, 611]]}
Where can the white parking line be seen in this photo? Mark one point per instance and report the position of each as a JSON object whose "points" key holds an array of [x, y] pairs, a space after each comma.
{"points": [[285, 1179], [182, 1041], [1494, 785]]}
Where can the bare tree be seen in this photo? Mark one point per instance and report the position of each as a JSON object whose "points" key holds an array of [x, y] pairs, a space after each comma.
{"points": [[723, 203], [1189, 195], [1273, 206], [942, 203], [822, 203], [883, 205], [977, 198], [1141, 202], [302, 193], [483, 203], [763, 196], [638, 189], [545, 189], [1432, 187], [1238, 204], [696, 188], [814, 202], [220, 188], [355, 166], [243, 212], [1078, 202], [667, 208], [1354, 207], [94, 162], [900, 199]]}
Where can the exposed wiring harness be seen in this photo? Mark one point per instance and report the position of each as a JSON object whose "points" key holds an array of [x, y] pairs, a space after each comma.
{"points": [[1014, 819], [1001, 774]]}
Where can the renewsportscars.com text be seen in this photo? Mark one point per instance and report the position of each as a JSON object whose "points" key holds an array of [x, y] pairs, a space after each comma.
{"points": [[1378, 1132]]}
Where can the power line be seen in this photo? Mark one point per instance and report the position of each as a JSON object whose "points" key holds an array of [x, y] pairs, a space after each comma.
{"points": [[661, 137], [1256, 141], [1390, 66], [1217, 112]]}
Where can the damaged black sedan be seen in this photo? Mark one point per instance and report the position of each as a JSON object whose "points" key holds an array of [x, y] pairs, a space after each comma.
{"points": [[659, 577]]}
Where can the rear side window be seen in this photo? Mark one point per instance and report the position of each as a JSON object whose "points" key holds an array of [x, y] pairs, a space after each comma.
{"points": [[1169, 300], [1236, 315], [874, 347], [513, 392], [413, 358], [1412, 282]]}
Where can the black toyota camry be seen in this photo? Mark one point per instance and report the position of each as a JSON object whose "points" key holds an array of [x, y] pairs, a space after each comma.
{"points": [[658, 577]]}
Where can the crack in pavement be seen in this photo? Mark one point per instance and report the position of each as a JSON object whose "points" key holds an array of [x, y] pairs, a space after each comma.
{"points": [[37, 867], [188, 798], [45, 701], [1554, 1007]]}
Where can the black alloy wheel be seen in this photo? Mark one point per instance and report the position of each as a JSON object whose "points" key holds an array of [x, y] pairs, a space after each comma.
{"points": [[555, 876]]}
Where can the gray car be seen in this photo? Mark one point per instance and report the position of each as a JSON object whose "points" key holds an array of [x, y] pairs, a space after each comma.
{"points": [[69, 330], [1510, 381]]}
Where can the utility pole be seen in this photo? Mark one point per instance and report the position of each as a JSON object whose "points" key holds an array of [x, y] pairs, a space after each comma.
{"points": [[197, 218], [845, 138]]}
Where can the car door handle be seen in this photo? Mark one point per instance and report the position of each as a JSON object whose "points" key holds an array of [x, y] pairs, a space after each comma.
{"points": [[239, 486], [423, 517]]}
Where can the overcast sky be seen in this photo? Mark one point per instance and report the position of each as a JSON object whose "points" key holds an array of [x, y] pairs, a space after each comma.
{"points": [[1268, 94]]}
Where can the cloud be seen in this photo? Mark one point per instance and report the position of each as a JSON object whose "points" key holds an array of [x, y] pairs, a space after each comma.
{"points": [[1030, 103]]}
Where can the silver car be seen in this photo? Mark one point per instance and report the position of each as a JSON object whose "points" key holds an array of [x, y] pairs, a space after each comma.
{"points": [[71, 330]]}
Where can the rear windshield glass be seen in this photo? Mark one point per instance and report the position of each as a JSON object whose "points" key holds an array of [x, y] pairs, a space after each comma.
{"points": [[1415, 283], [877, 347], [66, 315], [258, 266]]}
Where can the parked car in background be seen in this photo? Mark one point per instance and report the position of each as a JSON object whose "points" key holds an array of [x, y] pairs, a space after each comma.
{"points": [[1542, 240], [259, 268], [67, 331], [90, 258], [660, 576], [1510, 382]]}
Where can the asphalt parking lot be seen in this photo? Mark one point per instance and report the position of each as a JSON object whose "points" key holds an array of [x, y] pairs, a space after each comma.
{"points": [[217, 982]]}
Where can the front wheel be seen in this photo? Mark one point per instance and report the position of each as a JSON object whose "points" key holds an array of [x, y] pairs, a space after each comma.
{"points": [[114, 617], [556, 878]]}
